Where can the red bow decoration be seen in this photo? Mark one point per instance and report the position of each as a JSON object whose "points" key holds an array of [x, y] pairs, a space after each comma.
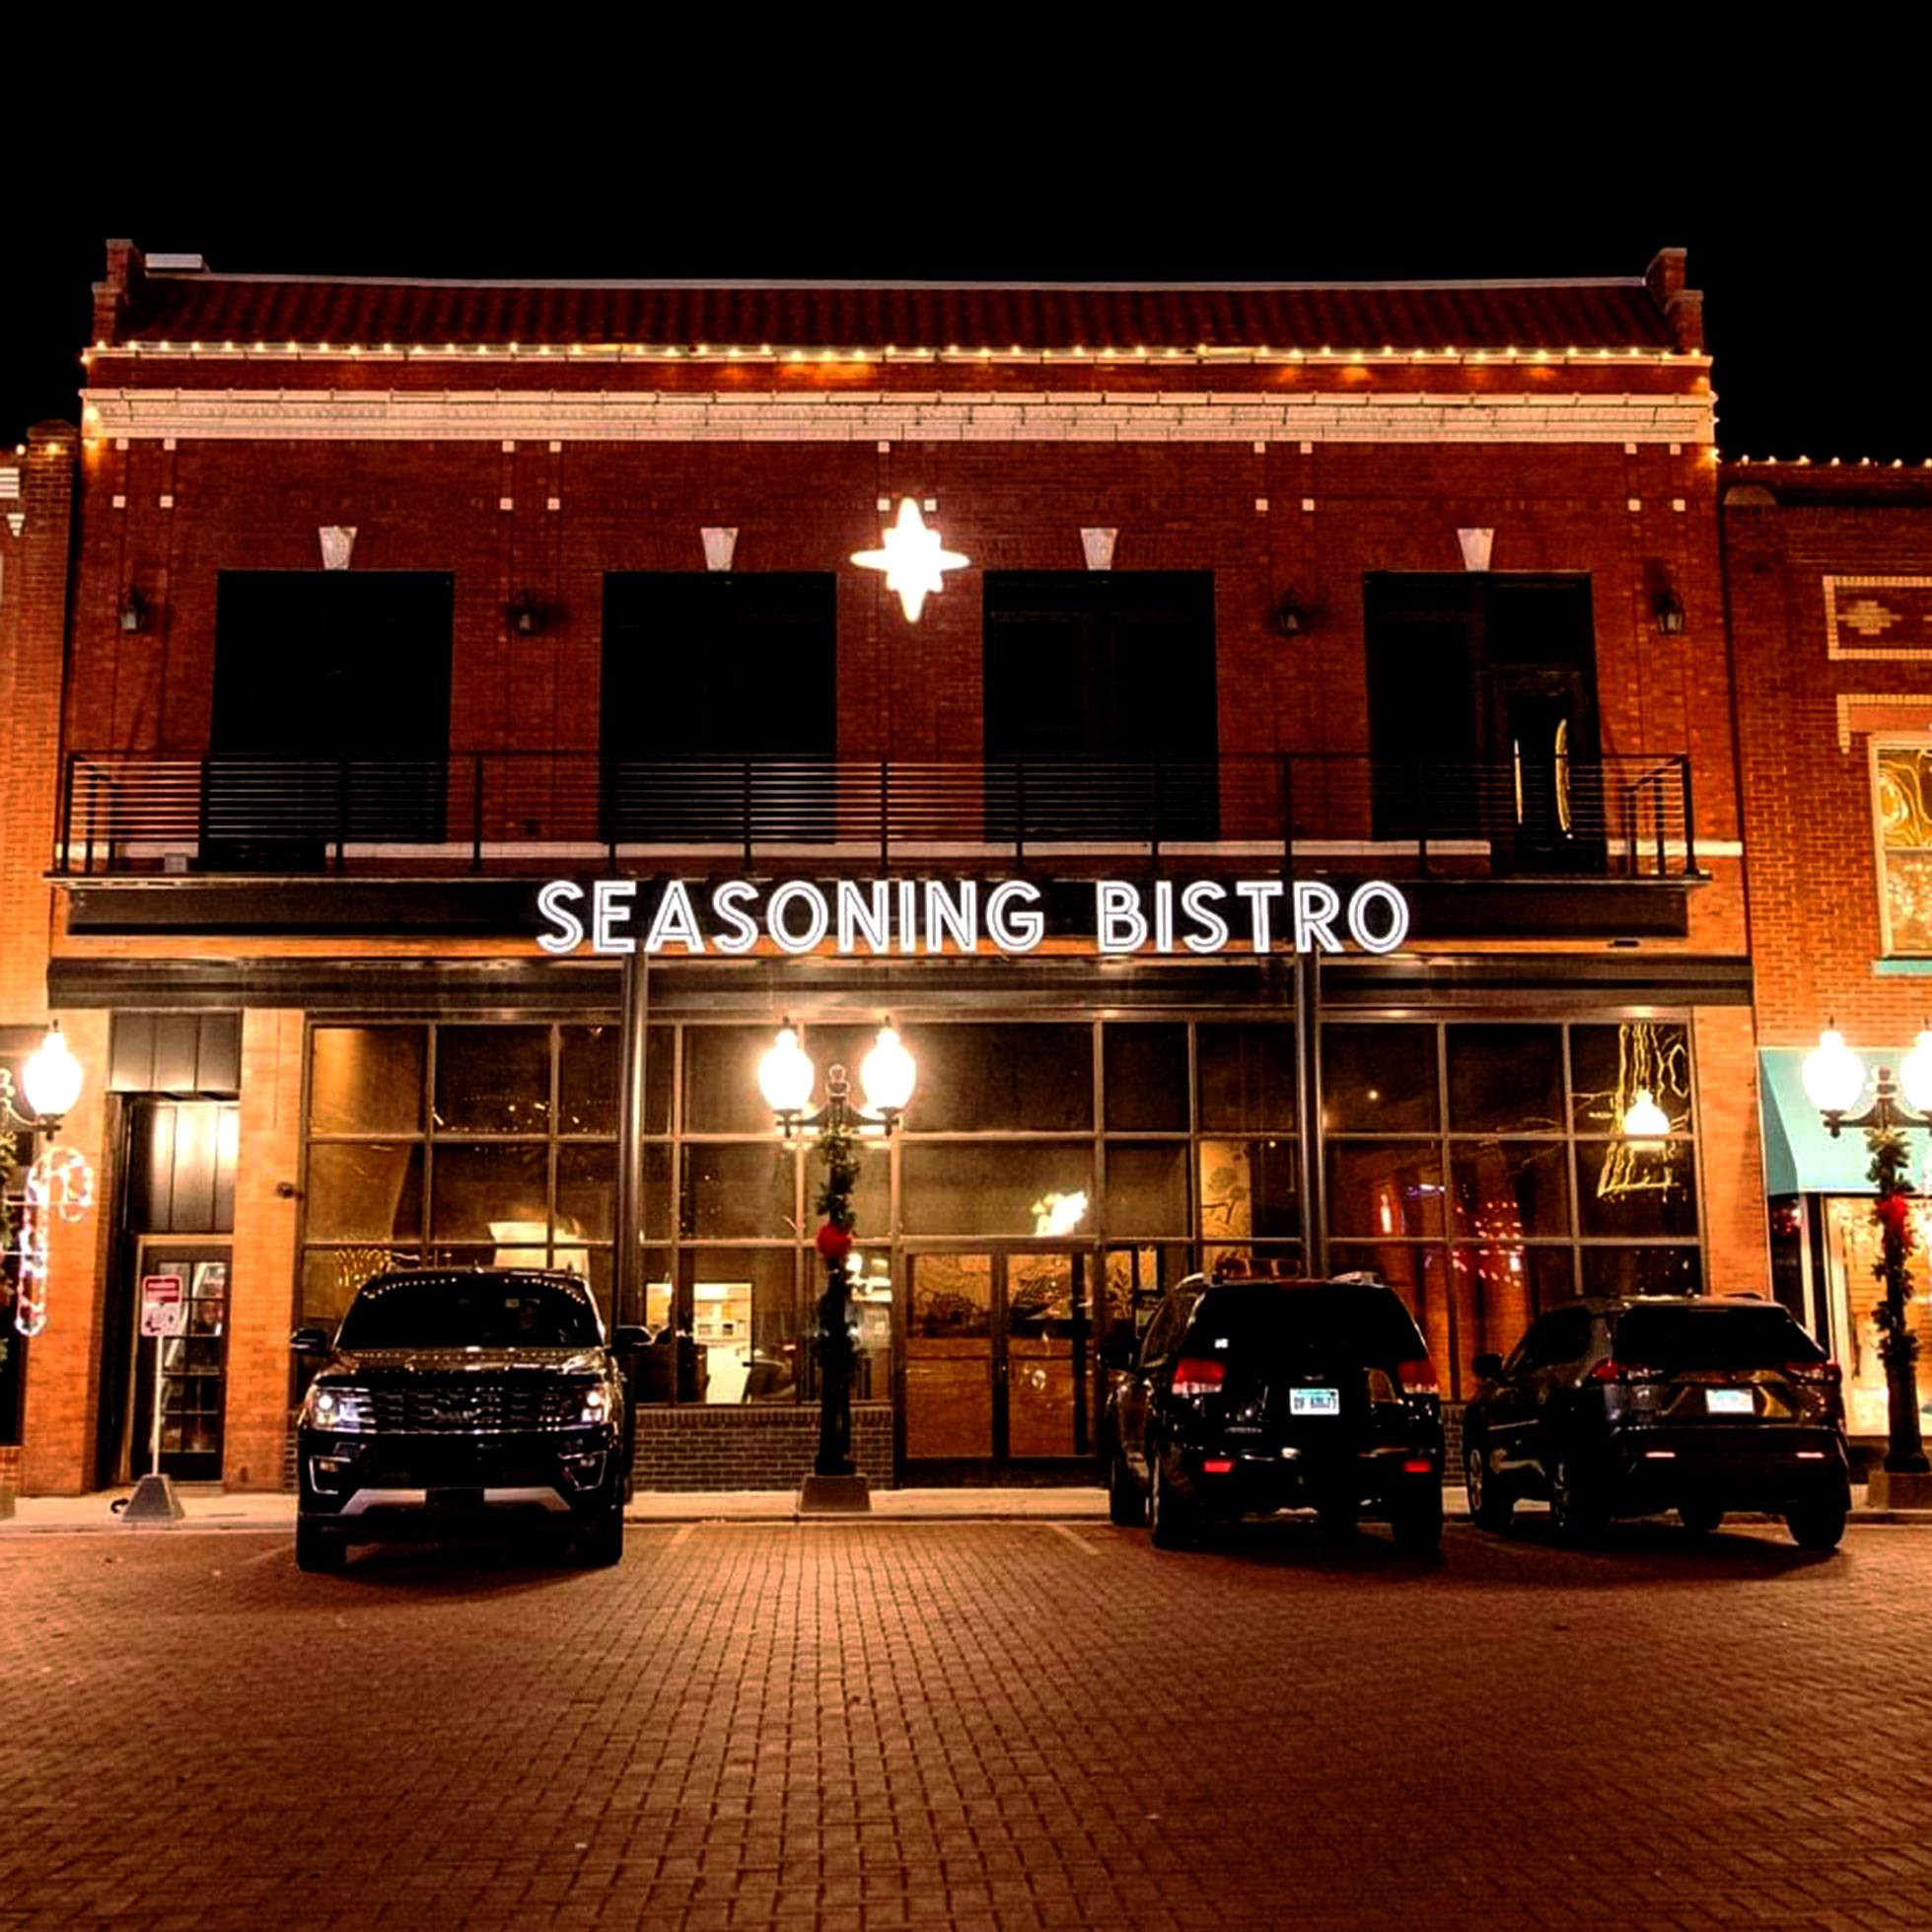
{"points": [[834, 1244], [1894, 1214]]}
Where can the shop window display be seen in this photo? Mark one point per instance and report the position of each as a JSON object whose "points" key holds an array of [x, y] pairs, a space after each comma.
{"points": [[1901, 805], [1852, 1252]]}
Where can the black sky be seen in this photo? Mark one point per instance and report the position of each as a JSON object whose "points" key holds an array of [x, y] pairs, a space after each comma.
{"points": [[1808, 241]]}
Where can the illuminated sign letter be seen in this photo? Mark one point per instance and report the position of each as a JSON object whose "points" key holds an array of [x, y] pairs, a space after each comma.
{"points": [[857, 919], [726, 900], [1315, 905], [611, 906], [569, 934], [675, 918], [1213, 934], [1014, 932], [818, 916], [1378, 890], [959, 917], [1258, 892], [1120, 925]]}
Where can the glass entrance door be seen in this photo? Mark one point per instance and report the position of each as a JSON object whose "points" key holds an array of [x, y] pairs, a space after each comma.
{"points": [[194, 1366], [998, 1365]]}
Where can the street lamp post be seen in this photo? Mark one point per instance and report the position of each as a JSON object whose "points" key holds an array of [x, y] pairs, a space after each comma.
{"points": [[785, 1074], [1835, 1082]]}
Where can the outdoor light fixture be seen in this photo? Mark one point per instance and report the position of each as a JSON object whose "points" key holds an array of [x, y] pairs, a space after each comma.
{"points": [[785, 1078], [524, 615], [1667, 612], [133, 610], [912, 559], [1835, 1082], [51, 1078], [1293, 616]]}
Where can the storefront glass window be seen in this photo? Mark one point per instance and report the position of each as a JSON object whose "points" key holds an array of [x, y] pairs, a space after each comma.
{"points": [[366, 1190], [1379, 1080], [589, 1079], [1498, 1292], [736, 1191], [1246, 1076], [1147, 1079], [1638, 1189], [1004, 1079], [743, 1324], [722, 1094], [1852, 1252], [1505, 1080], [492, 1080], [493, 1193], [1249, 1190], [1611, 1066], [1147, 1187], [365, 1080], [1384, 1187], [1902, 802], [1504, 1189], [1639, 1271], [1015, 1189]]}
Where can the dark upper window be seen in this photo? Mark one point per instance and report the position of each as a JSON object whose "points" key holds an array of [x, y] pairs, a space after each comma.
{"points": [[719, 704], [1100, 701]]}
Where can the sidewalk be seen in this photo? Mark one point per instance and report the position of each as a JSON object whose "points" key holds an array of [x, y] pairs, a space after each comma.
{"points": [[210, 1509]]}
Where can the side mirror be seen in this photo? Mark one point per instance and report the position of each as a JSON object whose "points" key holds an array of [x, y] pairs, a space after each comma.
{"points": [[1118, 1349], [627, 1338], [1488, 1367], [310, 1341]]}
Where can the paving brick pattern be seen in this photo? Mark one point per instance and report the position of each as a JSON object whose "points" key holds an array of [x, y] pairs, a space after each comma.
{"points": [[973, 1725]]}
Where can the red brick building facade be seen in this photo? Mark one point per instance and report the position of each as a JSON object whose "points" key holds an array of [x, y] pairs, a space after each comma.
{"points": [[1412, 581]]}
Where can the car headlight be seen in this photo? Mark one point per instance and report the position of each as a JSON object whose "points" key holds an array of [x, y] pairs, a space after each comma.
{"points": [[596, 1404], [331, 1405]]}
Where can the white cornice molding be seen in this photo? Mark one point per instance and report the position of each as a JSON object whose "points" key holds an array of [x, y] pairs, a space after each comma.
{"points": [[889, 415]]}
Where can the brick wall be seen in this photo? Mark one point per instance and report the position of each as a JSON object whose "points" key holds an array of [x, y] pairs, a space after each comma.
{"points": [[1805, 722], [752, 1447], [1730, 1151]]}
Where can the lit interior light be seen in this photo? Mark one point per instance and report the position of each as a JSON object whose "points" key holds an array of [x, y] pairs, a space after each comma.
{"points": [[1644, 1119], [1058, 1214]]}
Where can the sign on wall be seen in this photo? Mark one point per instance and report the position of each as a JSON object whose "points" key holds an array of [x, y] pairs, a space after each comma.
{"points": [[922, 918]]}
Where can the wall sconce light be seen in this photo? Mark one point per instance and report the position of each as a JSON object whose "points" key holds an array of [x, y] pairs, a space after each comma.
{"points": [[1293, 615], [133, 610], [524, 616], [1667, 612]]}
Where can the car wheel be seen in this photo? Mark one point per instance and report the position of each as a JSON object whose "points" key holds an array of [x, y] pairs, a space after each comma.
{"points": [[317, 1549], [1816, 1526], [601, 1546], [1575, 1512], [1491, 1506], [1169, 1522], [1701, 1519], [1125, 1505], [1417, 1521]]}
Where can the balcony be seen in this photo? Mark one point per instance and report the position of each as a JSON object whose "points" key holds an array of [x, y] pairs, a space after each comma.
{"points": [[512, 815]]}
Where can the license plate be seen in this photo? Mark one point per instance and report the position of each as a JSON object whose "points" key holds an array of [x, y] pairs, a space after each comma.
{"points": [[1728, 1401], [1314, 1402]]}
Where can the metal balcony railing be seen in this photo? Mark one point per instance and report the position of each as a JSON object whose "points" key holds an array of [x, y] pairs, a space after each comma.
{"points": [[521, 811]]}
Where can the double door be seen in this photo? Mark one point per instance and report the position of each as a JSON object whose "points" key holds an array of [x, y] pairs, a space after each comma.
{"points": [[192, 1378], [998, 1364]]}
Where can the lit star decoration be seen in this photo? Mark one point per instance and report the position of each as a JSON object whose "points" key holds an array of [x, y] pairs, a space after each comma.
{"points": [[912, 559]]}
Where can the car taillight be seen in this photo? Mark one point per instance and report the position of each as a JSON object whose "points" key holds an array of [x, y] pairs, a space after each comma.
{"points": [[1828, 1373], [1217, 1466], [1199, 1375], [1615, 1370], [1418, 1466], [1418, 1377]]}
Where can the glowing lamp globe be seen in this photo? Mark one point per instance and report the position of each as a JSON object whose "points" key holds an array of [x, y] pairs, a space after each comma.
{"points": [[1834, 1075], [1915, 1074], [785, 1074], [51, 1077], [887, 1073], [1644, 1119]]}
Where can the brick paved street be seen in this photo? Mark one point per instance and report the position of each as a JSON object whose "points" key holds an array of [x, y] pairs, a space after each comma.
{"points": [[971, 1725]]}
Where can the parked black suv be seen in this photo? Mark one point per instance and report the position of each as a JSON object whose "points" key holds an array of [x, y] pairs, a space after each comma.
{"points": [[1625, 1407], [1253, 1395], [453, 1400]]}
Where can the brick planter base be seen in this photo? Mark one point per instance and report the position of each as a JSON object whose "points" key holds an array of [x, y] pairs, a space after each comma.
{"points": [[751, 1447], [9, 1477]]}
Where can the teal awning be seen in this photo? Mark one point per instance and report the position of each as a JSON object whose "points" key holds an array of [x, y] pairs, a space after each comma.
{"points": [[1799, 1156]]}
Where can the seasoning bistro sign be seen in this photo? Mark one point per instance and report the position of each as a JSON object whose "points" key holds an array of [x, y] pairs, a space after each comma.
{"points": [[912, 917]]}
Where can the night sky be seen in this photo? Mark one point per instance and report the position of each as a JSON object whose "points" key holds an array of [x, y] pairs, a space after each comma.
{"points": [[1811, 272]]}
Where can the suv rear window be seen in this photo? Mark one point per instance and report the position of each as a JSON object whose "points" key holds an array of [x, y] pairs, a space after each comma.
{"points": [[1369, 1325], [1737, 1336], [470, 1311]]}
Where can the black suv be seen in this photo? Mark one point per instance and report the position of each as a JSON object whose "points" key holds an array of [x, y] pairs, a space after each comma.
{"points": [[1251, 1396], [1625, 1407], [452, 1401]]}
